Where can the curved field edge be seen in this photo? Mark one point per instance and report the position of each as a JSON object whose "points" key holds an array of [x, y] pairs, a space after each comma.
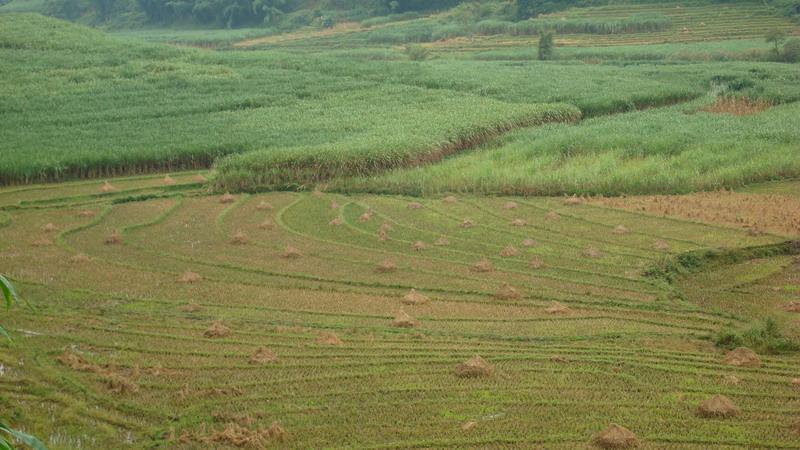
{"points": [[292, 168]]}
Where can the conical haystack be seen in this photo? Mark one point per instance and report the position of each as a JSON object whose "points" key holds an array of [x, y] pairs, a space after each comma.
{"points": [[107, 187], [442, 241], [326, 338], [264, 206], [291, 253], [79, 258], [239, 238], [200, 178], [386, 226], [190, 277], [573, 200], [365, 217], [191, 307], [509, 251], [336, 222], [449, 199], [467, 223], [227, 198], [382, 236], [386, 266], [267, 224], [528, 243], [403, 320], [168, 180], [518, 223], [731, 379], [473, 368], [113, 239], [717, 406], [507, 292], [536, 262], [551, 216], [591, 252], [510, 205], [792, 307], [660, 245], [49, 228], [216, 330], [418, 246], [415, 205], [557, 308], [415, 298], [263, 356], [620, 230], [86, 213], [334, 205], [742, 357], [483, 265], [42, 242], [615, 436]]}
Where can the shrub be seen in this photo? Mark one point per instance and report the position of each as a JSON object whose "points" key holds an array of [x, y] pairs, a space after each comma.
{"points": [[417, 52], [545, 45], [791, 50], [764, 338]]}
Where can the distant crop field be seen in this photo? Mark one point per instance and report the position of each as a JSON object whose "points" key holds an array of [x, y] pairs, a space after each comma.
{"points": [[168, 318]]}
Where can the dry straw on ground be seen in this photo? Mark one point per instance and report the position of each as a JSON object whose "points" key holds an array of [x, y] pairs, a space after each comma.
{"points": [[573, 200], [717, 406], [113, 239], [79, 258], [415, 298], [365, 217], [42, 242], [483, 265], [518, 223], [661, 245], [291, 253], [621, 230], [507, 292], [385, 226], [336, 222], [536, 262], [450, 199], [792, 307], [615, 436], [263, 356], [200, 178], [334, 205], [474, 367], [168, 180], [217, 330], [190, 277], [737, 106], [442, 241], [510, 205], [227, 198], [327, 338], [528, 243], [240, 238], [235, 435], [557, 308], [742, 357], [49, 228], [591, 252], [107, 187], [264, 206], [731, 379], [418, 246], [551, 216], [509, 251], [415, 205], [267, 224], [467, 223], [403, 320], [192, 307], [86, 213], [386, 266]]}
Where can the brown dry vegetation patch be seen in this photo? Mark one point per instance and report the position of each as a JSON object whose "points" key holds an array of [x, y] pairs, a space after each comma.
{"points": [[450, 199], [418, 246], [336, 222], [557, 308], [528, 243], [415, 298], [403, 320], [168, 180], [49, 228], [482, 266], [263, 356], [190, 277], [107, 187], [758, 212], [717, 406], [474, 367], [291, 253], [113, 239], [115, 382], [742, 357], [616, 436], [509, 251], [86, 213], [518, 223], [536, 262], [327, 338], [442, 241], [235, 435], [414, 205], [79, 258], [192, 307], [738, 106], [264, 206], [342, 27], [467, 223], [510, 205], [507, 292], [267, 224], [386, 266], [239, 238], [217, 330]]}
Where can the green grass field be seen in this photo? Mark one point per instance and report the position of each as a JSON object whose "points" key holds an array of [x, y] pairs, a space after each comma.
{"points": [[580, 342]]}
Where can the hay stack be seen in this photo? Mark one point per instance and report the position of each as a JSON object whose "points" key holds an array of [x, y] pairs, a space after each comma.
{"points": [[557, 308], [474, 367], [200, 178], [239, 238], [403, 320], [536, 262], [792, 307], [467, 223], [661, 246], [334, 205], [518, 223], [418, 246], [291, 253], [42, 242], [113, 239], [509, 251], [267, 224], [264, 206], [217, 330], [731, 379], [385, 226], [79, 258], [227, 198], [263, 356], [507, 292], [621, 230], [190, 277], [49, 228], [615, 436], [382, 236], [442, 241], [573, 200], [415, 298], [552, 216], [510, 205], [415, 205], [168, 180], [365, 217], [386, 266], [591, 252], [86, 213], [326, 338], [107, 187], [528, 243], [449, 199], [466, 426], [717, 406], [191, 307], [742, 357], [482, 266], [796, 382], [336, 222]]}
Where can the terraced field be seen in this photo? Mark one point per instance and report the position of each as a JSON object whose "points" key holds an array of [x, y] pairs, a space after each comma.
{"points": [[169, 318]]}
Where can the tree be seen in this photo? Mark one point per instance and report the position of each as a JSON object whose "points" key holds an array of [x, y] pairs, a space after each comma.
{"points": [[776, 37], [10, 295], [545, 45]]}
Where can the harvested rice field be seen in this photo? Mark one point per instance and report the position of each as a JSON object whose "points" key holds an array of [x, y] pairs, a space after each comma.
{"points": [[165, 316]]}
